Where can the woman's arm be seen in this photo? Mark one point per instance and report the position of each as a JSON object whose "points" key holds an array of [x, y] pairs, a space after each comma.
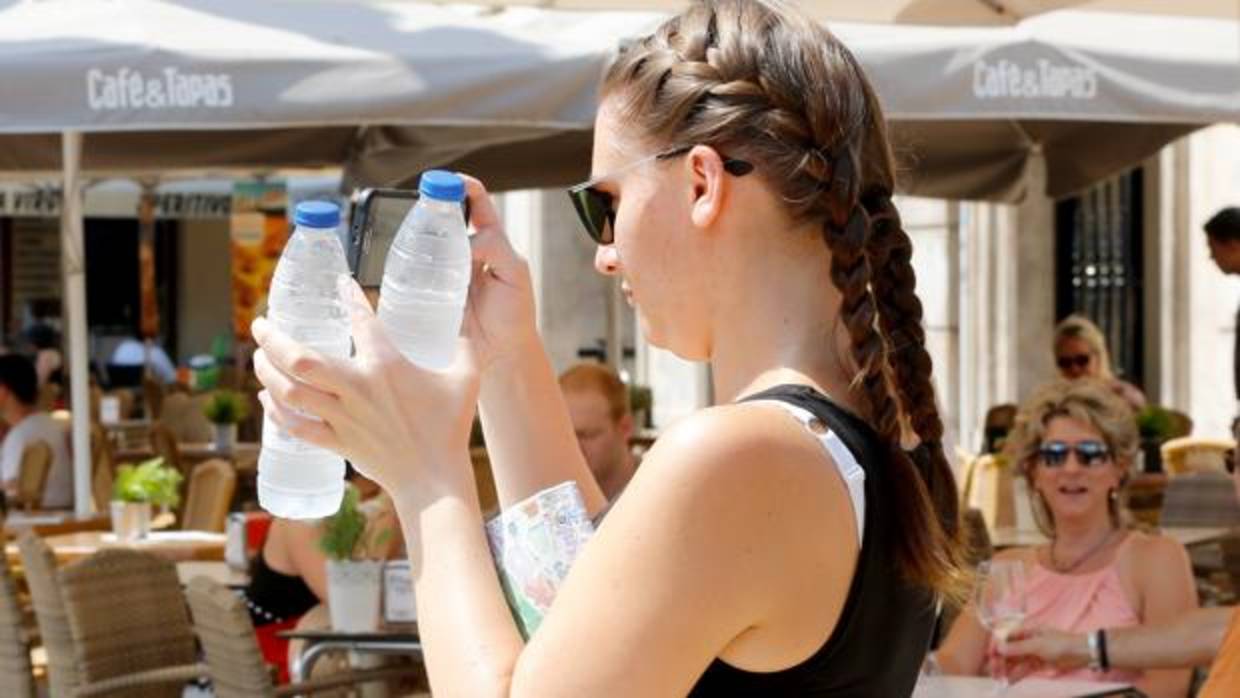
{"points": [[1193, 639], [529, 437], [1165, 579], [963, 651]]}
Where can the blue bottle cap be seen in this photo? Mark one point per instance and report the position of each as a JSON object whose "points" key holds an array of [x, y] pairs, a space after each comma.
{"points": [[442, 185], [317, 214]]}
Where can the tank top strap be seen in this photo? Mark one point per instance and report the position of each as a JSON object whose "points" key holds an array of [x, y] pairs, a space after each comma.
{"points": [[845, 462]]}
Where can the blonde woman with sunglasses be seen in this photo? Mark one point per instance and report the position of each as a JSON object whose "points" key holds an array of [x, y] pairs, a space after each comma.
{"points": [[1073, 442], [1081, 352], [780, 543]]}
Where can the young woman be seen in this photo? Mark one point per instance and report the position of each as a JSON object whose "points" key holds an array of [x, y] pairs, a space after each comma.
{"points": [[1074, 442], [780, 543]]}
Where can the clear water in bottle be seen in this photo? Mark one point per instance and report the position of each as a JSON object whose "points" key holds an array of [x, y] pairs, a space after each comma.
{"points": [[297, 480], [426, 276]]}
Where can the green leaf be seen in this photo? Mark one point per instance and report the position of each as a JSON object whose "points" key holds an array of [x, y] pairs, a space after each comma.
{"points": [[344, 530], [149, 481], [226, 407]]}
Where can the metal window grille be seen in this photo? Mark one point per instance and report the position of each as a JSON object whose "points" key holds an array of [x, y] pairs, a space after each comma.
{"points": [[1099, 266]]}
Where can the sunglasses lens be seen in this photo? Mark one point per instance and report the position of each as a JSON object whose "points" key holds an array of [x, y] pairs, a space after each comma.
{"points": [[1090, 452], [593, 208], [1053, 454]]}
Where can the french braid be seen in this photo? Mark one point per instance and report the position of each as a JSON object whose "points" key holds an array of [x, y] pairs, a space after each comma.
{"points": [[766, 84]]}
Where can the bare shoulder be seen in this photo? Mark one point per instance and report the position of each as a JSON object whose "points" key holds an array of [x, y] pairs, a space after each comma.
{"points": [[1025, 555], [749, 445], [1155, 552]]}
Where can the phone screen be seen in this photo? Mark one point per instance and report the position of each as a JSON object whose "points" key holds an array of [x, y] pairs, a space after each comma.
{"points": [[377, 217]]}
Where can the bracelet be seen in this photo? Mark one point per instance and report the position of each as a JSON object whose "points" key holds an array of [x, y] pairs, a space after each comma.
{"points": [[1095, 656], [1102, 649]]}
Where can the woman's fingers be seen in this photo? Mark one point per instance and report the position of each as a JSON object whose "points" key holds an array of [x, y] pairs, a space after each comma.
{"points": [[299, 361], [293, 393], [298, 426], [482, 213]]}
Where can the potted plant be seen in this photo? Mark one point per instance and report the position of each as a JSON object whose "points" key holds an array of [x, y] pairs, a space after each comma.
{"points": [[135, 489], [1155, 425], [225, 409], [354, 570]]}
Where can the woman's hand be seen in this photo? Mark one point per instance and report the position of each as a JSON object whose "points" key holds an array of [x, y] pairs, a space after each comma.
{"points": [[405, 427], [499, 318], [1029, 649]]}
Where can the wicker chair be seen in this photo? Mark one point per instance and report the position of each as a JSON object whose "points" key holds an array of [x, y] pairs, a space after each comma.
{"points": [[131, 631], [231, 648], [39, 563], [1191, 454], [36, 463], [16, 673], [211, 489]]}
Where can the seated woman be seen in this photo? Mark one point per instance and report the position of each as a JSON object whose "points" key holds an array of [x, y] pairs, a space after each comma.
{"points": [[289, 575], [1073, 442], [1081, 352]]}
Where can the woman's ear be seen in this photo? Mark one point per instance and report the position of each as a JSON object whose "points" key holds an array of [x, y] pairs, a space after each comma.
{"points": [[709, 185]]}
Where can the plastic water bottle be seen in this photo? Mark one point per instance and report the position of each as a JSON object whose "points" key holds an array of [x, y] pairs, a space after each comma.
{"points": [[426, 276], [297, 480]]}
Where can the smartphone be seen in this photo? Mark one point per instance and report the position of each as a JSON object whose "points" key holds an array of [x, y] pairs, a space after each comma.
{"points": [[375, 216]]}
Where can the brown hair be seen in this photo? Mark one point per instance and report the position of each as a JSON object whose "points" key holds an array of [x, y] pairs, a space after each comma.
{"points": [[762, 82], [597, 378], [1090, 401]]}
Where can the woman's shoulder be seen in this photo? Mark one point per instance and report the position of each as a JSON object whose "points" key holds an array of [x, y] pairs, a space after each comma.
{"points": [[1152, 552]]}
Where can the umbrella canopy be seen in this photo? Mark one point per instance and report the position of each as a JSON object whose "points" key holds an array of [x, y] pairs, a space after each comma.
{"points": [[221, 84], [389, 88], [941, 12]]}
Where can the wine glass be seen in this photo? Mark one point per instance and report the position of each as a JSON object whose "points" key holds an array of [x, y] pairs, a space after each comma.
{"points": [[999, 601]]}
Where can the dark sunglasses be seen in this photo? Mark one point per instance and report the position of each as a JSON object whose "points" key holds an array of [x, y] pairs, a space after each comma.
{"points": [[1088, 453], [1079, 361], [595, 208]]}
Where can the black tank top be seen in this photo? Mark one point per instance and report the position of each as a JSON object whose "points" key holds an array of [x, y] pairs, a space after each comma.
{"points": [[274, 597], [883, 632]]}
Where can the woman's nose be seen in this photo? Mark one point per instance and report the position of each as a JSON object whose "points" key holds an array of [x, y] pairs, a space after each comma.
{"points": [[606, 261]]}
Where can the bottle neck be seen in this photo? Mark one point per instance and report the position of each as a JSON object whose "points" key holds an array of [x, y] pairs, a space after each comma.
{"points": [[310, 231], [440, 206]]}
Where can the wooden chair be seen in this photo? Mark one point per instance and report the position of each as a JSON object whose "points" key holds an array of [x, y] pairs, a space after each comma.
{"points": [[32, 473], [164, 444], [234, 660], [152, 397], [39, 564], [1191, 454], [182, 413], [211, 489], [16, 672], [101, 467], [131, 631]]}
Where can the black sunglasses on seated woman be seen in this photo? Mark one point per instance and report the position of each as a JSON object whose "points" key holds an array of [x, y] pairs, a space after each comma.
{"points": [[595, 209], [1088, 453]]}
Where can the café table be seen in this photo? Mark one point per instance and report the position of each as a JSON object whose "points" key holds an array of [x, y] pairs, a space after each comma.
{"points": [[53, 522], [401, 640], [241, 453], [1188, 536], [981, 687], [219, 572], [173, 545]]}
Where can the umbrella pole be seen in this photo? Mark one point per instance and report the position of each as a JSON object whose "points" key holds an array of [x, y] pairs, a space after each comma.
{"points": [[73, 267]]}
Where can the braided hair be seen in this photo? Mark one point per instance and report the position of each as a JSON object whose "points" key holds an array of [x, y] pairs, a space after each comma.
{"points": [[763, 82]]}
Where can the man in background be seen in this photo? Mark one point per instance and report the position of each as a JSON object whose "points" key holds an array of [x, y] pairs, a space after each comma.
{"points": [[19, 394], [598, 404], [1223, 235]]}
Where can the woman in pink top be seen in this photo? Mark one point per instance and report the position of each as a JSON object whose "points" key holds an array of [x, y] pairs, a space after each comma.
{"points": [[1073, 442]]}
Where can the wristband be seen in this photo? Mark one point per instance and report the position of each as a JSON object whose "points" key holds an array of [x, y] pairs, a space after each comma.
{"points": [[1102, 649], [1095, 656]]}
